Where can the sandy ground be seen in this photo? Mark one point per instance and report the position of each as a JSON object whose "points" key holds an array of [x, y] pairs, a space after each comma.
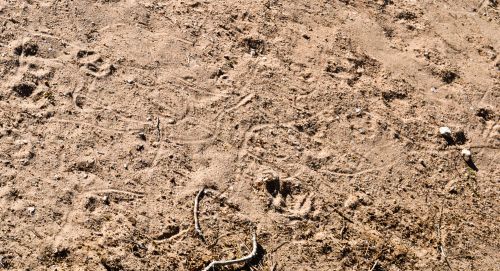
{"points": [[313, 124]]}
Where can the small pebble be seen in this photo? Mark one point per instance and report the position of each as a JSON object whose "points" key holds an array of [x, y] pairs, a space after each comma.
{"points": [[31, 210], [451, 187], [422, 162], [352, 201], [278, 202], [445, 131], [466, 154], [446, 134]]}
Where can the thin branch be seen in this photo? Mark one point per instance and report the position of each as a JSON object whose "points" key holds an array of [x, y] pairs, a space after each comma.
{"points": [[342, 215], [374, 266], [278, 246], [440, 242], [439, 223], [195, 213], [235, 261], [343, 230], [441, 249], [158, 129]]}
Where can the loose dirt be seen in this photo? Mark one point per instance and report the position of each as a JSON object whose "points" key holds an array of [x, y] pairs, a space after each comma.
{"points": [[313, 124]]}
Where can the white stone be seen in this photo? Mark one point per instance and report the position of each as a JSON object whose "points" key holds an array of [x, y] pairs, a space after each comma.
{"points": [[445, 131], [466, 154], [31, 210]]}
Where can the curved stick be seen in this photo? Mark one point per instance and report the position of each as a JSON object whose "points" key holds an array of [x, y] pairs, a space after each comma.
{"points": [[195, 213], [240, 260]]}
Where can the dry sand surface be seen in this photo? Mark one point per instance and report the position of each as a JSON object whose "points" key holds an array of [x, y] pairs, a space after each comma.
{"points": [[312, 124]]}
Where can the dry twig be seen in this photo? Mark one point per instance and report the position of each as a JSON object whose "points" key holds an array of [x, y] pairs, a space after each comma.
{"points": [[440, 242], [278, 246], [343, 230], [342, 215], [374, 266], [158, 129], [195, 213], [235, 261]]}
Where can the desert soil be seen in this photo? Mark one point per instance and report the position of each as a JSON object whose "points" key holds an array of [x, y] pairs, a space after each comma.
{"points": [[313, 124]]}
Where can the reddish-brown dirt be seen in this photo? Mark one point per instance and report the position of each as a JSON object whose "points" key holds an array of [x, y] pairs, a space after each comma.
{"points": [[313, 124]]}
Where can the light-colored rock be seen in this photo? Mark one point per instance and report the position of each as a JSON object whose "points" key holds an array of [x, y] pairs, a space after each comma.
{"points": [[31, 210], [466, 154], [445, 131]]}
